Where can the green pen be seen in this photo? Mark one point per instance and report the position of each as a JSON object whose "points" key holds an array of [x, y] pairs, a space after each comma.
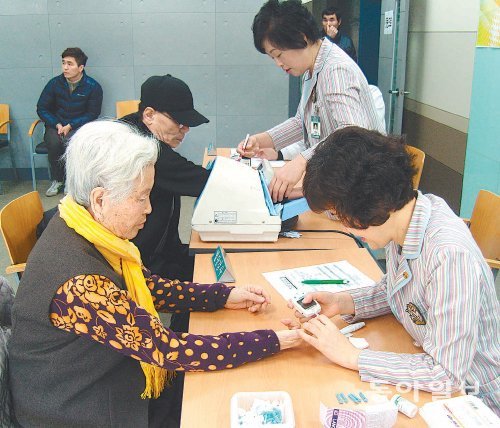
{"points": [[324, 281]]}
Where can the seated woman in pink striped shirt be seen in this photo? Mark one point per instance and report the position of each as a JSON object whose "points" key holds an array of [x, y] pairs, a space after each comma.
{"points": [[437, 283]]}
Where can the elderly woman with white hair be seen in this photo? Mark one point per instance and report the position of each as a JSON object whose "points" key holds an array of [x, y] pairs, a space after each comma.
{"points": [[88, 347]]}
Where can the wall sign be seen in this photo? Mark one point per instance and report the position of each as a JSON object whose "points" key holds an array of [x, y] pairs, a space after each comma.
{"points": [[388, 21]]}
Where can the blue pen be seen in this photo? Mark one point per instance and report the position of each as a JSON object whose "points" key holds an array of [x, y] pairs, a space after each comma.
{"points": [[353, 398], [344, 397], [363, 397], [339, 399]]}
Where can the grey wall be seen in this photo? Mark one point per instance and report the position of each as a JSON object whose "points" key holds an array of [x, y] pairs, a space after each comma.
{"points": [[207, 43]]}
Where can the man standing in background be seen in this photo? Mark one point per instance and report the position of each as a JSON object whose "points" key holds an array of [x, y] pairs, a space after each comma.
{"points": [[331, 21], [67, 102]]}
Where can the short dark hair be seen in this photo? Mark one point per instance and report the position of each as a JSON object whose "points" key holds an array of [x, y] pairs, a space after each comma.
{"points": [[331, 11], [362, 175], [77, 53], [284, 25]]}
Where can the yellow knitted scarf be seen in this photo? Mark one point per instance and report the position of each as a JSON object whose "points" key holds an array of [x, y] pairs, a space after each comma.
{"points": [[125, 259]]}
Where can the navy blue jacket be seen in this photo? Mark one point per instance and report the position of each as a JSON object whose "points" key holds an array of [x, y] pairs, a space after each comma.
{"points": [[344, 42], [58, 105]]}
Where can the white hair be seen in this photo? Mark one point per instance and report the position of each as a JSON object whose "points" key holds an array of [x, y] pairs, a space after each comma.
{"points": [[108, 154]]}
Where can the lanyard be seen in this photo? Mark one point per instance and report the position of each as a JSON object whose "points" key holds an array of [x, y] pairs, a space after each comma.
{"points": [[315, 112]]}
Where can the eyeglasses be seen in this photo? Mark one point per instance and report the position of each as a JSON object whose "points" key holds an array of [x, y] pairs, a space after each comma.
{"points": [[180, 125]]}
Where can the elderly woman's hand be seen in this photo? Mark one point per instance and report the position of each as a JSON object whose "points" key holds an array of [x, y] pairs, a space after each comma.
{"points": [[288, 338], [250, 297]]}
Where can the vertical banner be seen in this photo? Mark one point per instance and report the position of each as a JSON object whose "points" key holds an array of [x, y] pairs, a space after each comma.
{"points": [[488, 31]]}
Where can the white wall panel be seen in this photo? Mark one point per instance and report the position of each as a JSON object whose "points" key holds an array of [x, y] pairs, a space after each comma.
{"points": [[439, 70], [105, 38], [443, 15], [162, 6], [174, 39], [235, 40], [72, 7], [25, 41], [23, 7]]}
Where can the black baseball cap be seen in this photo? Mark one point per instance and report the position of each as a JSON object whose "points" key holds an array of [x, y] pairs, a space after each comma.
{"points": [[170, 95]]}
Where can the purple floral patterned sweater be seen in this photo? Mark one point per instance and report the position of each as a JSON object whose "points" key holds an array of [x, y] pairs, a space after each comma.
{"points": [[94, 307]]}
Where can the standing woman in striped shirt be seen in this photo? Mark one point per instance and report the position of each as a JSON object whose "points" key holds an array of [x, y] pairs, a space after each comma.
{"points": [[335, 93], [437, 284]]}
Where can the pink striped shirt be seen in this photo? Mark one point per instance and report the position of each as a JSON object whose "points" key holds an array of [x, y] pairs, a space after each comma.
{"points": [[343, 98], [442, 291]]}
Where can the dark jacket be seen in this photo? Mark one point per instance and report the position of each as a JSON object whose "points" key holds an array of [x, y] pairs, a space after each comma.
{"points": [[344, 42], [159, 243], [59, 379], [57, 105]]}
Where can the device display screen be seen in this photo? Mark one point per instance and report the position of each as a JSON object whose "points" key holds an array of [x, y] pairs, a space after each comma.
{"points": [[305, 305]]}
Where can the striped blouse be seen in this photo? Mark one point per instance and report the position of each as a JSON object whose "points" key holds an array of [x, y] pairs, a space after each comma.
{"points": [[442, 291], [343, 98]]}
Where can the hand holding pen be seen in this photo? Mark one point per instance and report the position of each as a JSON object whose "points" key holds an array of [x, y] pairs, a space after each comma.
{"points": [[249, 147], [244, 148]]}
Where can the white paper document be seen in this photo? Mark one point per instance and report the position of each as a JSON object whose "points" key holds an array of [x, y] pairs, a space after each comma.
{"points": [[288, 282], [255, 162], [465, 411]]}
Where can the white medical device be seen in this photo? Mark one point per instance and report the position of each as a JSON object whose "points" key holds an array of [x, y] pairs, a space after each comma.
{"points": [[235, 205], [306, 309]]}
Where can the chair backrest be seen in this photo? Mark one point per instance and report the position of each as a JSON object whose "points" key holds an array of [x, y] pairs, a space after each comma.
{"points": [[4, 117], [126, 107], [418, 163], [18, 221], [485, 224]]}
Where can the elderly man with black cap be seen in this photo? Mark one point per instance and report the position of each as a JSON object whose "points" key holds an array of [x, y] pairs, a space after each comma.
{"points": [[166, 111]]}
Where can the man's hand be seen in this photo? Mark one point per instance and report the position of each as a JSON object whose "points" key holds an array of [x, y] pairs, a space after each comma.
{"points": [[331, 304], [331, 31], [252, 298], [63, 130], [286, 178], [324, 335]]}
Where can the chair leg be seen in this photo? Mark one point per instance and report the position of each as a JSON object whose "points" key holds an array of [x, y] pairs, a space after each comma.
{"points": [[33, 177], [13, 162]]}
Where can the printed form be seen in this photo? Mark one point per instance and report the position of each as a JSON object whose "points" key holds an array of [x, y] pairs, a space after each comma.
{"points": [[288, 282]]}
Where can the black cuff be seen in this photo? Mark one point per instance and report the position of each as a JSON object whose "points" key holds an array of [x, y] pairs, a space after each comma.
{"points": [[280, 155]]}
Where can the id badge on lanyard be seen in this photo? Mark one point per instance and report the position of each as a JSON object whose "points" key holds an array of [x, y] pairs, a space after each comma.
{"points": [[315, 125]]}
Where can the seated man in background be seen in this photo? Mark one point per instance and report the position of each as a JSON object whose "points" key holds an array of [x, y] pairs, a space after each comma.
{"points": [[67, 102], [166, 112], [437, 284], [331, 21]]}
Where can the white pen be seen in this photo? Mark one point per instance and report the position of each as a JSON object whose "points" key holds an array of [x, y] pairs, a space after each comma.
{"points": [[246, 142], [353, 327]]}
